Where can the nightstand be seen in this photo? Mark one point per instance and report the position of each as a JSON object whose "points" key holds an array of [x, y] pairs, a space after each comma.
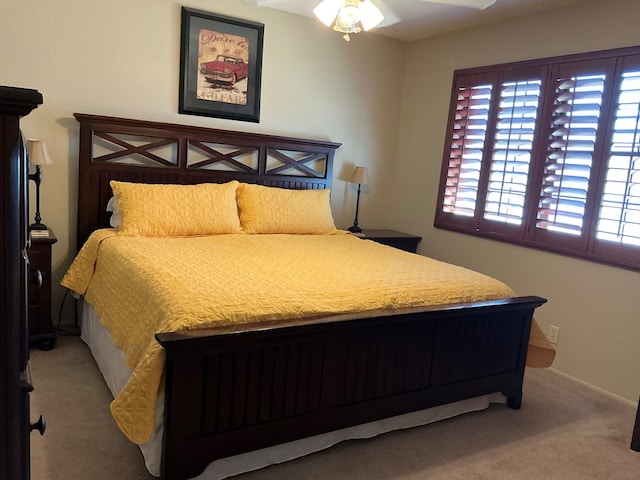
{"points": [[41, 331], [393, 238]]}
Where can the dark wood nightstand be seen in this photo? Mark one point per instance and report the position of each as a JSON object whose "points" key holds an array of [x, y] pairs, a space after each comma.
{"points": [[393, 238], [41, 331]]}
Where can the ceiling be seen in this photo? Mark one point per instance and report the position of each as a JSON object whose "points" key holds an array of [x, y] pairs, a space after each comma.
{"points": [[414, 19]]}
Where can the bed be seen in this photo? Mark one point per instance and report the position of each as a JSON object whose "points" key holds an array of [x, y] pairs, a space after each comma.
{"points": [[229, 390]]}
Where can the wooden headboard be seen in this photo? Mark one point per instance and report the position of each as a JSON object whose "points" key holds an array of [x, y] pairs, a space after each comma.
{"points": [[151, 152]]}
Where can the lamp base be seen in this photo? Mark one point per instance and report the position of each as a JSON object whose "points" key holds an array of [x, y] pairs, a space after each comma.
{"points": [[355, 229], [38, 226]]}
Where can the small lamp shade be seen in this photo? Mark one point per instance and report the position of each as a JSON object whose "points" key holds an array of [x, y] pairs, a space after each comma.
{"points": [[38, 153], [359, 176]]}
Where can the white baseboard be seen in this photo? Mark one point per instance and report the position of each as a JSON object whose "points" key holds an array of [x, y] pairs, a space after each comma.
{"points": [[597, 389]]}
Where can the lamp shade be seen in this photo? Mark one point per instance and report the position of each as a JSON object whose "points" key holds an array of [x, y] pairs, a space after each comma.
{"points": [[359, 176], [38, 154], [327, 11], [371, 16]]}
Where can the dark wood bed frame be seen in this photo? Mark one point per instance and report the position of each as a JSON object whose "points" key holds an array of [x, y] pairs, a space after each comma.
{"points": [[234, 390]]}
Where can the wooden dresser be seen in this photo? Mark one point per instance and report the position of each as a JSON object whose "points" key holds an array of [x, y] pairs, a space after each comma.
{"points": [[15, 384]]}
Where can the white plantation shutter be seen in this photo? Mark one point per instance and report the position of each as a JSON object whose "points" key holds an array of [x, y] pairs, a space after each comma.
{"points": [[619, 212], [512, 148], [565, 185], [466, 149]]}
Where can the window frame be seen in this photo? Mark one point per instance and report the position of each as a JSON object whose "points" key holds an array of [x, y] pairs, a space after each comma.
{"points": [[585, 245]]}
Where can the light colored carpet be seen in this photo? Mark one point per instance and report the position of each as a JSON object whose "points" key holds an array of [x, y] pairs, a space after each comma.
{"points": [[564, 430]]}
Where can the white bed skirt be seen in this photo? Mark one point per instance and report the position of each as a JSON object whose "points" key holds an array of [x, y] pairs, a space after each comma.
{"points": [[110, 360]]}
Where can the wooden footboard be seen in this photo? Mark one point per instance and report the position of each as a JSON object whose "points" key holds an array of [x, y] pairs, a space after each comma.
{"points": [[230, 391]]}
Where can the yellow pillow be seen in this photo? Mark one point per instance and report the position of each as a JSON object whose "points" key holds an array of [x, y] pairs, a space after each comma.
{"points": [[177, 210], [280, 210]]}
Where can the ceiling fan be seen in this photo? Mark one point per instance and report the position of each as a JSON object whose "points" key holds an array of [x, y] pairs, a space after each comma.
{"points": [[352, 16]]}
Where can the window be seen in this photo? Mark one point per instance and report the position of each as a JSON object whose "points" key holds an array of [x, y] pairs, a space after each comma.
{"points": [[546, 153]]}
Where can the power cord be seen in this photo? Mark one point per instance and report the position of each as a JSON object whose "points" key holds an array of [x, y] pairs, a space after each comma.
{"points": [[63, 331]]}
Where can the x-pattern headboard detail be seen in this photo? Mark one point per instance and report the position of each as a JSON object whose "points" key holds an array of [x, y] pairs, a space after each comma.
{"points": [[130, 150], [217, 157]]}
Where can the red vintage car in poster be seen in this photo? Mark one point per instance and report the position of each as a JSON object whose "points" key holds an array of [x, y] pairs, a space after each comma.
{"points": [[224, 69]]}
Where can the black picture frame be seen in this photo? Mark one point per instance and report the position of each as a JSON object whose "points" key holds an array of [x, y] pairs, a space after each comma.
{"points": [[220, 66]]}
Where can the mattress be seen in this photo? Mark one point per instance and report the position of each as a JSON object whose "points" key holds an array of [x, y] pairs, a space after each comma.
{"points": [[112, 364]]}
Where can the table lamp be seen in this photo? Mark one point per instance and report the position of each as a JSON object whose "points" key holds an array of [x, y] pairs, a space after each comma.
{"points": [[37, 155], [360, 177]]}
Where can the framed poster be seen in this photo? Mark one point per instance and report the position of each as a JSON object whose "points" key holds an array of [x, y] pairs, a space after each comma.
{"points": [[220, 66]]}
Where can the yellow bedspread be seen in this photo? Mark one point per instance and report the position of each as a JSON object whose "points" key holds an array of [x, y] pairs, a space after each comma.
{"points": [[140, 286]]}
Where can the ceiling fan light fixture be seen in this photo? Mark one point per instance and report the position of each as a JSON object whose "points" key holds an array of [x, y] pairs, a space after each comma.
{"points": [[348, 19], [348, 16]]}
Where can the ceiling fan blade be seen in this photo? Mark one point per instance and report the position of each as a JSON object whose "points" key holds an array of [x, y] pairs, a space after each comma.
{"points": [[390, 18], [479, 4]]}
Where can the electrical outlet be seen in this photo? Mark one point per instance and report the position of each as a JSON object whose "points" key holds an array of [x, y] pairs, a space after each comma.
{"points": [[554, 333]]}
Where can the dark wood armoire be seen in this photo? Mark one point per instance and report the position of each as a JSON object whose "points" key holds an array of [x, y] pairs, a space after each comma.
{"points": [[635, 439], [15, 383]]}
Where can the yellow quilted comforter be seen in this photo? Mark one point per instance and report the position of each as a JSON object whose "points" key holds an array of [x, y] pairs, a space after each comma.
{"points": [[142, 285]]}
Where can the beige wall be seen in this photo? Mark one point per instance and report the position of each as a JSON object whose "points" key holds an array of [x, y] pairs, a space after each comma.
{"points": [[121, 58], [596, 307]]}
